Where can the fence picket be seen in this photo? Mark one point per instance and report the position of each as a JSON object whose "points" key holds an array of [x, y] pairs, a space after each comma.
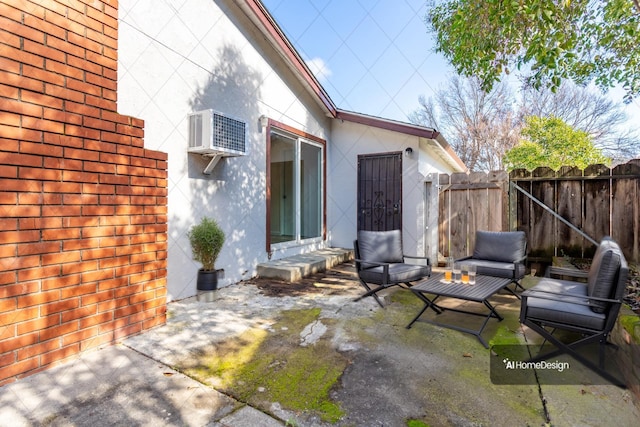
{"points": [[597, 200]]}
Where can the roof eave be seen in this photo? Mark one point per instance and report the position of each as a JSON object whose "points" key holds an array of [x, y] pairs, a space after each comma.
{"points": [[444, 146], [261, 17], [439, 142], [387, 124]]}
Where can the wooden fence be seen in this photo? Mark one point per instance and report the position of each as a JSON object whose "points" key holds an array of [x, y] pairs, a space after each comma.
{"points": [[598, 201], [477, 201]]}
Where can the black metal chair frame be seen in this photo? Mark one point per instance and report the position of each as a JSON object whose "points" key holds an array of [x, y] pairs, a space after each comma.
{"points": [[515, 279], [589, 335], [386, 283]]}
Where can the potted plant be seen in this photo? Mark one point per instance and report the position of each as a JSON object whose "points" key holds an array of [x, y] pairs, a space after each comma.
{"points": [[206, 241]]}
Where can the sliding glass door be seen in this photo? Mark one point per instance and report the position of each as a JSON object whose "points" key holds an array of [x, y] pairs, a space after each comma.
{"points": [[310, 190], [296, 189], [283, 189]]}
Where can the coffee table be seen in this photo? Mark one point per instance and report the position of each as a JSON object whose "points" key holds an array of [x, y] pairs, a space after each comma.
{"points": [[435, 286]]}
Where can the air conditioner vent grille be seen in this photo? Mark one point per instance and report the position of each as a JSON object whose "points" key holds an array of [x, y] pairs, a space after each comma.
{"points": [[213, 133], [229, 133]]}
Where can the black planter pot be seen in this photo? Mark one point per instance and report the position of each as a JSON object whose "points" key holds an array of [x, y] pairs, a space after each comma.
{"points": [[207, 280]]}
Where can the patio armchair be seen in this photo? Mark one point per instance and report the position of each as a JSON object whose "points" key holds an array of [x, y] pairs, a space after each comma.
{"points": [[500, 254], [380, 261], [589, 309]]}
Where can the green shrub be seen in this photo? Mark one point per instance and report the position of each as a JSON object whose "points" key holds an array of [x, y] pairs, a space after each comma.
{"points": [[206, 241]]}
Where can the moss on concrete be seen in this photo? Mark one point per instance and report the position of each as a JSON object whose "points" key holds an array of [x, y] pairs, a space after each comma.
{"points": [[506, 343], [219, 364], [260, 367], [416, 423], [504, 336], [631, 324], [471, 370], [405, 298]]}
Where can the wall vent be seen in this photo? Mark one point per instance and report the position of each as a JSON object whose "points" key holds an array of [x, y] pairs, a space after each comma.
{"points": [[216, 135]]}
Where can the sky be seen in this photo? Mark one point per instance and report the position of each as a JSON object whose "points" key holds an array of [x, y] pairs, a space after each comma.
{"points": [[372, 56]]}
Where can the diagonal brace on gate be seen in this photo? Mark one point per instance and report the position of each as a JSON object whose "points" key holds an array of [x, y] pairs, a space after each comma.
{"points": [[552, 212]]}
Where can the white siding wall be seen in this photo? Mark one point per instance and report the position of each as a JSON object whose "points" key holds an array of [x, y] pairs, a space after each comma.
{"points": [[179, 57], [420, 207]]}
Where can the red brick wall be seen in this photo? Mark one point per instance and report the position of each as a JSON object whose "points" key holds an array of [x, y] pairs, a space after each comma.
{"points": [[83, 205]]}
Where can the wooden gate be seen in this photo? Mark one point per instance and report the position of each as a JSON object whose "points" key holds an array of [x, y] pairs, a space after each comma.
{"points": [[380, 192], [478, 201]]}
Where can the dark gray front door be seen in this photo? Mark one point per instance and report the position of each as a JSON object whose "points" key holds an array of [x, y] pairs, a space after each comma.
{"points": [[380, 192]]}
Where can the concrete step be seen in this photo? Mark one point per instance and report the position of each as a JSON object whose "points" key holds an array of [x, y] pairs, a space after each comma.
{"points": [[296, 267]]}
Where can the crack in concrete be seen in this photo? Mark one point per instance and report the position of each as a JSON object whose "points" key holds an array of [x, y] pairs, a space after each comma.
{"points": [[543, 400], [312, 333]]}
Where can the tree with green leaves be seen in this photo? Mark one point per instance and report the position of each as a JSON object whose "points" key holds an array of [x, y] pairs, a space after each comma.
{"points": [[550, 142], [589, 110], [548, 41]]}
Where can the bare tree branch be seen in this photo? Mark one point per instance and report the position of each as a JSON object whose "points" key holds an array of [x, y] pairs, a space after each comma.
{"points": [[479, 126], [482, 126]]}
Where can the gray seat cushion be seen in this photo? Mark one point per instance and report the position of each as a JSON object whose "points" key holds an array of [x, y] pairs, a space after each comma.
{"points": [[563, 310], [398, 273], [603, 273], [502, 246], [497, 269], [380, 246]]}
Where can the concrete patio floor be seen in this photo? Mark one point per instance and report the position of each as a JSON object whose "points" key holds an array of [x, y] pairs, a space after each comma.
{"points": [[388, 375]]}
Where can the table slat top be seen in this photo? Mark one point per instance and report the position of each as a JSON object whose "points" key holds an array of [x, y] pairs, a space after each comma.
{"points": [[485, 287]]}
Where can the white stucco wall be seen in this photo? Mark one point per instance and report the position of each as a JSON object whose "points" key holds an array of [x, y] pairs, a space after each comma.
{"points": [[419, 185], [178, 57]]}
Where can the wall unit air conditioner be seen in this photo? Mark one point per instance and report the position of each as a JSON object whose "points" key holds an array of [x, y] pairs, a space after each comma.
{"points": [[216, 135]]}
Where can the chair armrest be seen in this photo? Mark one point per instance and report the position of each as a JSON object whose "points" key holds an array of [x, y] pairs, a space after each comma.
{"points": [[375, 263], [418, 257], [556, 296], [363, 261], [522, 260], [518, 261], [564, 271], [384, 265]]}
